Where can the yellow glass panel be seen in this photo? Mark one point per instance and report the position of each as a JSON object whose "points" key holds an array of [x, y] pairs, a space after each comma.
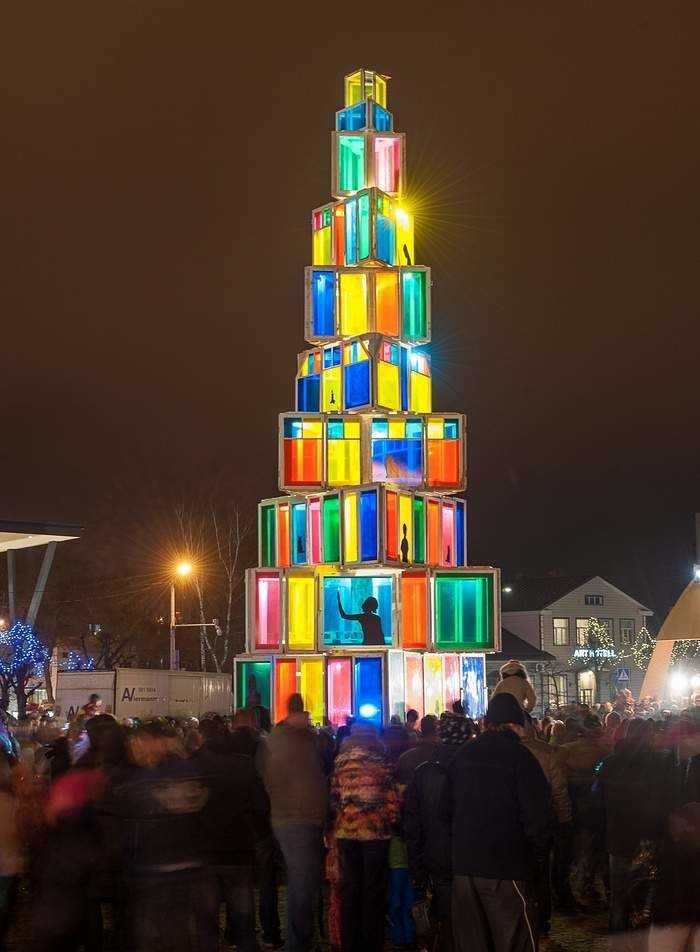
{"points": [[312, 687], [312, 429], [344, 463], [304, 368], [380, 89], [301, 613], [353, 304], [404, 234], [421, 393], [331, 397], [353, 88], [388, 388], [397, 429], [322, 253], [436, 428], [433, 684], [406, 519], [350, 527], [352, 429]]}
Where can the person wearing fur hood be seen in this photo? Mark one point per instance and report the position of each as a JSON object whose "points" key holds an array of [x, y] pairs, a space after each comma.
{"points": [[514, 680]]}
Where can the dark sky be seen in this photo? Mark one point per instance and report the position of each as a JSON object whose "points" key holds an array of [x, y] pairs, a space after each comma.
{"points": [[159, 165]]}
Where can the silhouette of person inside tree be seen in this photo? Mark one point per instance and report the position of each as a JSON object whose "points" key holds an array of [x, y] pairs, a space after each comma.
{"points": [[370, 622]]}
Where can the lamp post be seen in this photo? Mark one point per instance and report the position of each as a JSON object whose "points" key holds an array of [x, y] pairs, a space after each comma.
{"points": [[183, 569]]}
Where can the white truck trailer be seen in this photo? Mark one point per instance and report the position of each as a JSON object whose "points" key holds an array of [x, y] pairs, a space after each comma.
{"points": [[144, 692]]}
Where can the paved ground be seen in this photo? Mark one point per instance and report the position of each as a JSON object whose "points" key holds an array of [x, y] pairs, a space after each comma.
{"points": [[570, 934]]}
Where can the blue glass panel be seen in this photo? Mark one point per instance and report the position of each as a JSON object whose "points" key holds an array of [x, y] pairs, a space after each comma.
{"points": [[386, 240], [403, 373], [451, 429], [292, 428], [368, 690], [474, 685], [299, 556], [351, 231], [459, 529], [383, 120], [352, 118], [335, 429], [414, 429], [323, 304], [398, 461], [327, 358], [309, 394], [380, 428], [357, 385], [357, 610], [337, 355], [368, 525]]}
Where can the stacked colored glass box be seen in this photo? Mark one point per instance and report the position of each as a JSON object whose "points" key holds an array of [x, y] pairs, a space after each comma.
{"points": [[363, 600]]}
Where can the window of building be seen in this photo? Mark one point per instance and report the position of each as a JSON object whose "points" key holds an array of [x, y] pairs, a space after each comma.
{"points": [[607, 623], [626, 631], [582, 631], [561, 631], [593, 599], [561, 689]]}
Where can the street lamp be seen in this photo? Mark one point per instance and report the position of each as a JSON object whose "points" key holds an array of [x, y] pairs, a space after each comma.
{"points": [[183, 569]]}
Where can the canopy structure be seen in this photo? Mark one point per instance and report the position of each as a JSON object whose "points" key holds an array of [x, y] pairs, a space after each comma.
{"points": [[682, 624], [27, 535]]}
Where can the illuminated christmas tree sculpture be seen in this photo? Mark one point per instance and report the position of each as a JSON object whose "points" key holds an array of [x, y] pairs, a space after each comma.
{"points": [[363, 600]]}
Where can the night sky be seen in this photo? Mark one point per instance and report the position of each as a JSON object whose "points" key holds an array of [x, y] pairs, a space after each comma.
{"points": [[160, 163]]}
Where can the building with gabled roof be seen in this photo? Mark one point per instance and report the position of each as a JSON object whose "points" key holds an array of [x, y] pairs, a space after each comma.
{"points": [[553, 614]]}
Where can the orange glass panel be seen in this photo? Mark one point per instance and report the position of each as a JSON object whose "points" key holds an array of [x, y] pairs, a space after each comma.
{"points": [[433, 532], [414, 610], [302, 462], [443, 462], [285, 685], [387, 303], [283, 534], [392, 527]]}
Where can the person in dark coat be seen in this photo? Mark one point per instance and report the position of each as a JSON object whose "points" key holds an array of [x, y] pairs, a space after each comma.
{"points": [[498, 802], [428, 836]]}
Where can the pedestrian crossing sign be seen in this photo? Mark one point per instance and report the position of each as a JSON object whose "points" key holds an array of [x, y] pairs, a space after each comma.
{"points": [[622, 675]]}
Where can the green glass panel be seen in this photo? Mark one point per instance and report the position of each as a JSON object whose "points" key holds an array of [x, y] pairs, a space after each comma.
{"points": [[414, 310], [331, 529], [268, 535], [418, 530], [464, 612], [351, 162], [364, 227], [253, 676]]}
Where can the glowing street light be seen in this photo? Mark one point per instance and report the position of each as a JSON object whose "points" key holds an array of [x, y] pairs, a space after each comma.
{"points": [[183, 569]]}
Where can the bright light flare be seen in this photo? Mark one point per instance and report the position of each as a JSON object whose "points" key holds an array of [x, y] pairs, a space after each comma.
{"points": [[679, 682], [183, 569], [368, 711]]}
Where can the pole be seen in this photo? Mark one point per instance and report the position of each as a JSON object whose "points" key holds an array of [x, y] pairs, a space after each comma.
{"points": [[11, 585], [35, 603], [172, 626]]}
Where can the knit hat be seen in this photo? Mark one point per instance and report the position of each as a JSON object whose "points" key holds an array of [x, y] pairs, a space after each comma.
{"points": [[454, 729], [511, 668], [504, 709]]}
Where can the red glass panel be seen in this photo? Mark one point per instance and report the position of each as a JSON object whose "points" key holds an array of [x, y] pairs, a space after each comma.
{"points": [[339, 685], [267, 610]]}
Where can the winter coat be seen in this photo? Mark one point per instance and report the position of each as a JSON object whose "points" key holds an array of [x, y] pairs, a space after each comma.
{"points": [[548, 760], [521, 689], [428, 834], [291, 767], [499, 804], [364, 796]]}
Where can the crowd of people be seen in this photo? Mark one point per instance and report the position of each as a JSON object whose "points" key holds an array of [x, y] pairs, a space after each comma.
{"points": [[441, 833]]}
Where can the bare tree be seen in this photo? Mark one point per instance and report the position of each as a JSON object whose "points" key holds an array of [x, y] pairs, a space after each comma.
{"points": [[214, 539]]}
